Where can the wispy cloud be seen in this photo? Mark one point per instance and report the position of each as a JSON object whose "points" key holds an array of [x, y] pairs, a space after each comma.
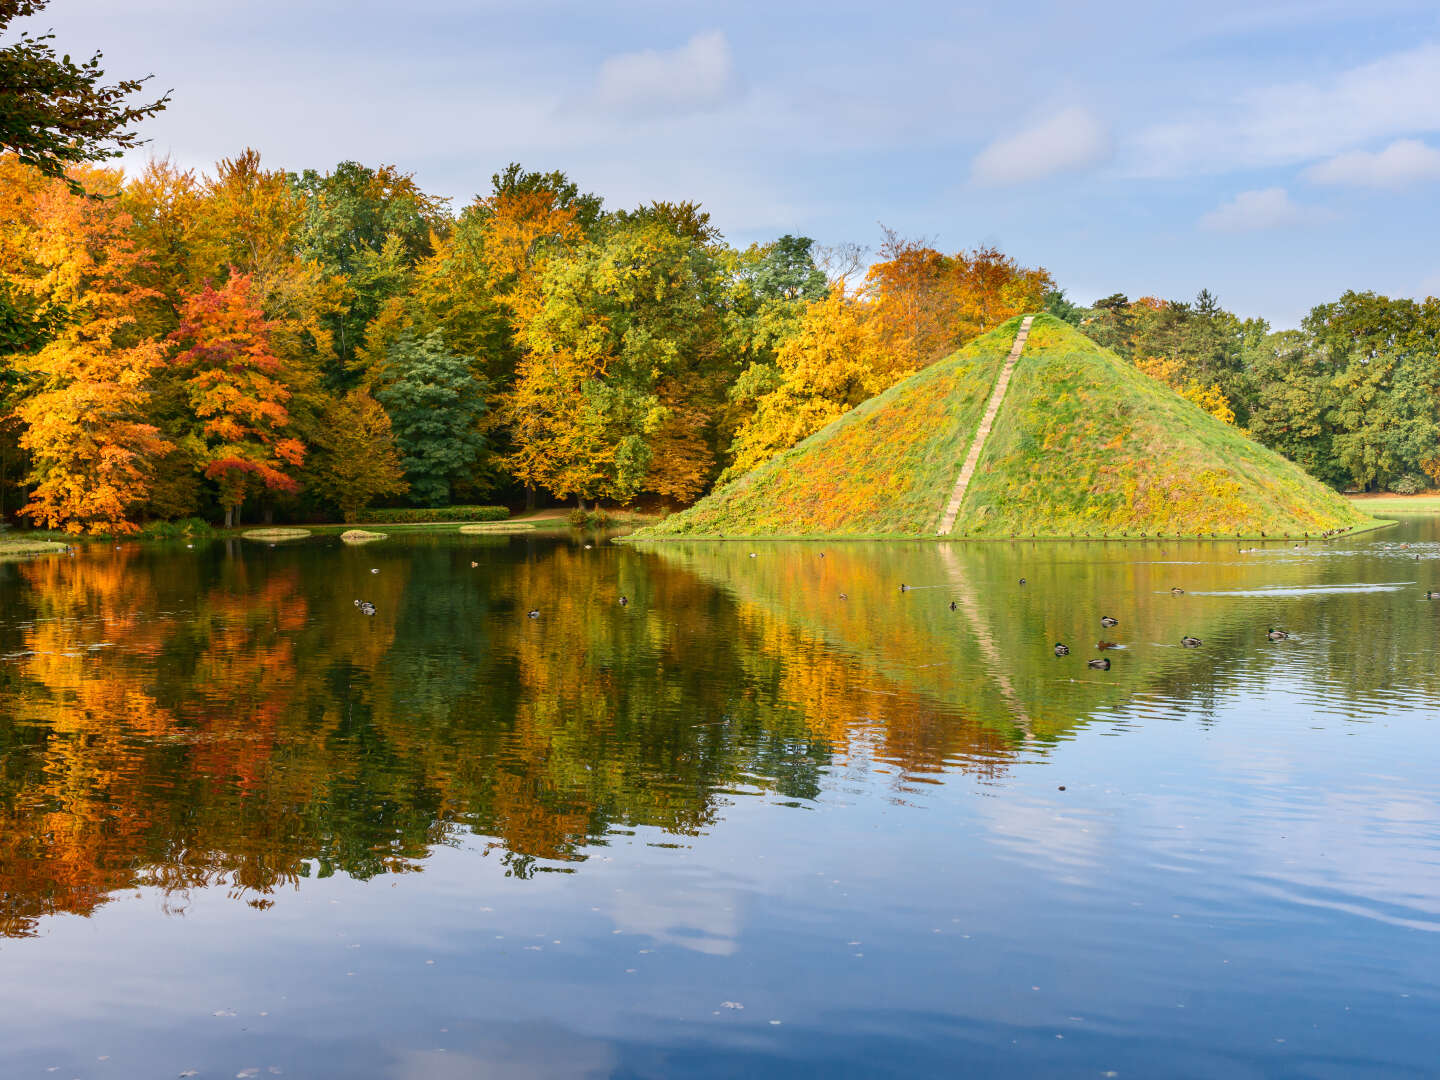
{"points": [[1269, 208], [1288, 123], [1401, 164], [1070, 140], [697, 75]]}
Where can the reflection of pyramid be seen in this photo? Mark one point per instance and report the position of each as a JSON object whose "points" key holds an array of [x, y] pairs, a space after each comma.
{"points": [[991, 657], [1047, 435]]}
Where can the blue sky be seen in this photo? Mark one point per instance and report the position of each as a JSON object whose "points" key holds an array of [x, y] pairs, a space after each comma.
{"points": [[1276, 153]]}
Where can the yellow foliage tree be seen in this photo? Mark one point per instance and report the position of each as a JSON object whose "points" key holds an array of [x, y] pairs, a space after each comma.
{"points": [[84, 414], [1173, 374]]}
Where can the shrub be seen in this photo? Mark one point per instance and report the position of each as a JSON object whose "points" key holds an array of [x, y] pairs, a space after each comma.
{"points": [[1409, 484], [579, 518], [414, 515]]}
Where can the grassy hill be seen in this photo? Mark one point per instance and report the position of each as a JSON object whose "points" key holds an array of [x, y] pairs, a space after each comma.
{"points": [[1084, 445]]}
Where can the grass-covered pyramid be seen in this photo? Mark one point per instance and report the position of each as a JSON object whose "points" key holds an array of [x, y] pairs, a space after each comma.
{"points": [[1083, 445]]}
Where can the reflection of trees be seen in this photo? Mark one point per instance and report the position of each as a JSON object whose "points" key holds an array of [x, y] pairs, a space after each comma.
{"points": [[231, 720], [246, 727]]}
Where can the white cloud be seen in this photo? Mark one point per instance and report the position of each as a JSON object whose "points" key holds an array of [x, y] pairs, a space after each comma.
{"points": [[1395, 95], [1071, 139], [1269, 208], [698, 75], [1402, 163]]}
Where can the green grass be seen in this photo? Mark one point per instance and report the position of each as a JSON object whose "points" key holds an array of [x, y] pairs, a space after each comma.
{"points": [[1084, 446], [1385, 505]]}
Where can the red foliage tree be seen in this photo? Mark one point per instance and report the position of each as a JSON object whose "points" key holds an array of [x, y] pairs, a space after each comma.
{"points": [[238, 391]]}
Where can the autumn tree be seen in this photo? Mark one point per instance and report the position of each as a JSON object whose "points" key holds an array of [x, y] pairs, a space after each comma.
{"points": [[832, 362], [71, 266], [355, 460], [916, 305], [244, 436], [623, 347]]}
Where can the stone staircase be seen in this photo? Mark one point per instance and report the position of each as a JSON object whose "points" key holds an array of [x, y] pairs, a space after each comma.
{"points": [[977, 445]]}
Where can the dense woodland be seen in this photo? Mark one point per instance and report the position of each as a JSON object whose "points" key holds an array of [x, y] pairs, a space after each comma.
{"points": [[253, 343]]}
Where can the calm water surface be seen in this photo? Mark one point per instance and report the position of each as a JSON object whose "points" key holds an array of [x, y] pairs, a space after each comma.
{"points": [[739, 826]]}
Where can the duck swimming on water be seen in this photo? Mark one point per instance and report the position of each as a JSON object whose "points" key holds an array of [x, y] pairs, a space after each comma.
{"points": [[1100, 663], [1276, 635], [1177, 591], [533, 613], [1107, 621], [365, 606], [1061, 649], [1190, 642]]}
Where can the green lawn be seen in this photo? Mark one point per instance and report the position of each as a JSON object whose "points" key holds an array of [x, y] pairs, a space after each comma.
{"points": [[1385, 505]]}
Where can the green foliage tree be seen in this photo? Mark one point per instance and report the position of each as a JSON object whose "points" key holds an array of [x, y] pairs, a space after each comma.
{"points": [[436, 405], [371, 227], [55, 113]]}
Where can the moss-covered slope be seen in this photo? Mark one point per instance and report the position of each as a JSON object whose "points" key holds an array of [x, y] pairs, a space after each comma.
{"points": [[1084, 445]]}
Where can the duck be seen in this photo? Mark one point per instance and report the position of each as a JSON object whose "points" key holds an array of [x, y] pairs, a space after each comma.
{"points": [[1432, 596], [624, 600], [1276, 635], [365, 606], [374, 569], [904, 588], [1107, 621], [753, 555], [1022, 581], [473, 564], [844, 596], [1103, 645], [1190, 642], [1100, 663], [533, 613], [1061, 649], [1175, 590], [952, 605]]}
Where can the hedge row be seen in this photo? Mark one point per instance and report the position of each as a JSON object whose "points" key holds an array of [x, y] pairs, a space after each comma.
{"points": [[408, 515]]}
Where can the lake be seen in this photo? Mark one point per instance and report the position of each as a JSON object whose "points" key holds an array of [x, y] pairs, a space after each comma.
{"points": [[772, 816]]}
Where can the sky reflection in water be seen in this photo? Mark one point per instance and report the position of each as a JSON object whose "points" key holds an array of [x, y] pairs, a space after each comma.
{"points": [[738, 826]]}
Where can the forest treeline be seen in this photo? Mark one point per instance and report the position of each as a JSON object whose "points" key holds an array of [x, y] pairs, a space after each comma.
{"points": [[255, 342]]}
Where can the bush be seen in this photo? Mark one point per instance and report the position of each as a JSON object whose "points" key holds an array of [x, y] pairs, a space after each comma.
{"points": [[1409, 484], [408, 515], [589, 519], [183, 529]]}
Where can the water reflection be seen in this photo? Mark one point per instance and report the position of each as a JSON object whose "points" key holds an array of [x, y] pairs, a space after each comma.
{"points": [[226, 717]]}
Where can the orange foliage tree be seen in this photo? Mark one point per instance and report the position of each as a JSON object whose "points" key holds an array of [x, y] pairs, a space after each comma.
{"points": [[237, 390], [72, 262]]}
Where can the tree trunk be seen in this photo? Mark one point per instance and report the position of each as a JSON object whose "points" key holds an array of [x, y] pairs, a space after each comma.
{"points": [[529, 499], [229, 517]]}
